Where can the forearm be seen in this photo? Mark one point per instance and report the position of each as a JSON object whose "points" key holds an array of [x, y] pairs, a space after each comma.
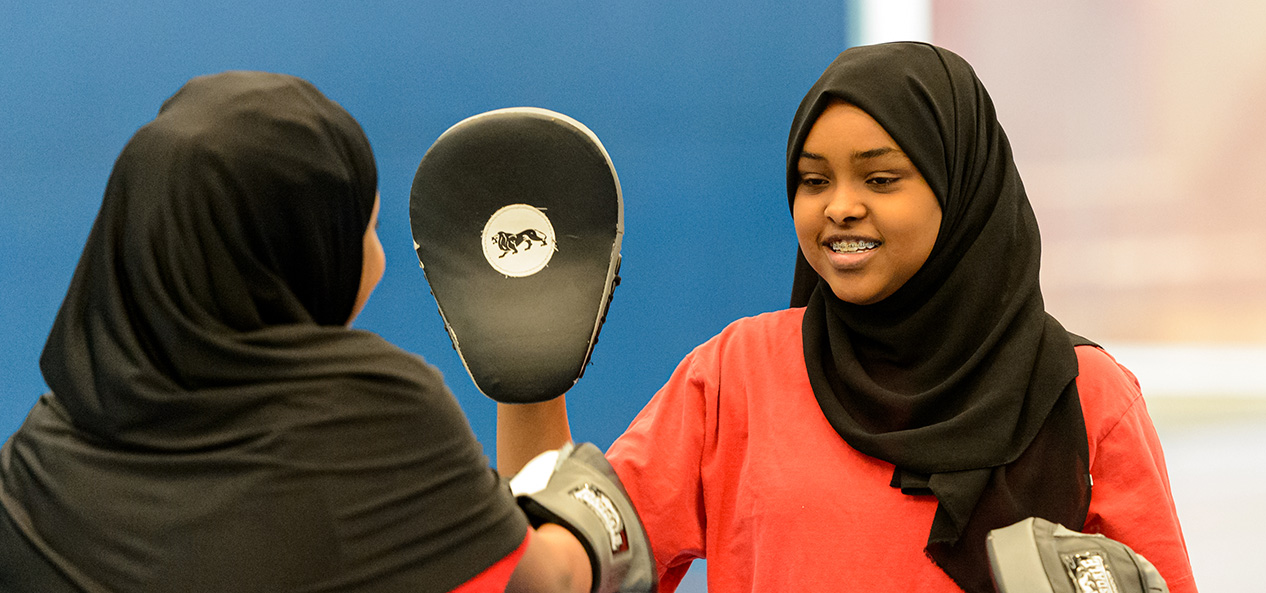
{"points": [[526, 430], [555, 561]]}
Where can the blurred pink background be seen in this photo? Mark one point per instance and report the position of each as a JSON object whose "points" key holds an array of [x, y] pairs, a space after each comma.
{"points": [[1139, 129]]}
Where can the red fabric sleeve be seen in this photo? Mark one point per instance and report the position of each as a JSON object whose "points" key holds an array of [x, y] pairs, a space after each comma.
{"points": [[495, 578], [659, 460], [1131, 500]]}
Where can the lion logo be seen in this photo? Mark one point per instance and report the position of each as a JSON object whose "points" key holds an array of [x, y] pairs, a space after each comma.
{"points": [[510, 242], [518, 240]]}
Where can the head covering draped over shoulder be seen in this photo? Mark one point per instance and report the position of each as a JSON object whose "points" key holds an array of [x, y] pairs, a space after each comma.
{"points": [[212, 422], [231, 224], [960, 378]]}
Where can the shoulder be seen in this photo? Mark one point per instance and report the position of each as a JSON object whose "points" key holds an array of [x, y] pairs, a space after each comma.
{"points": [[370, 356], [359, 374], [765, 336], [750, 351], [779, 318], [1107, 390], [776, 325]]}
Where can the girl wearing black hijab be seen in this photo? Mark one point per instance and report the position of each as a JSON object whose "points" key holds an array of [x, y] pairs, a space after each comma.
{"points": [[213, 423], [916, 395]]}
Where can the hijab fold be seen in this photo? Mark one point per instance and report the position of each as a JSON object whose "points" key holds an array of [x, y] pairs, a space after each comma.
{"points": [[960, 378], [213, 425]]}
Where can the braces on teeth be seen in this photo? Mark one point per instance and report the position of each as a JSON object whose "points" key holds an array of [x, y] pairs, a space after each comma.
{"points": [[853, 246]]}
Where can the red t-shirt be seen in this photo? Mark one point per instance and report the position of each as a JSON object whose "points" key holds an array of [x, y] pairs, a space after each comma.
{"points": [[733, 461]]}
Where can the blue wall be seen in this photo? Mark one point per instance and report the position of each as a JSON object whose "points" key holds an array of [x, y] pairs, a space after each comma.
{"points": [[691, 98]]}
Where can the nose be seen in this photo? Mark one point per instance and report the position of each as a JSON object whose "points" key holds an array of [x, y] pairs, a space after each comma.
{"points": [[844, 205]]}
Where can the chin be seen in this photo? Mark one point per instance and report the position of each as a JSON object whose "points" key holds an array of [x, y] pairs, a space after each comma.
{"points": [[858, 297]]}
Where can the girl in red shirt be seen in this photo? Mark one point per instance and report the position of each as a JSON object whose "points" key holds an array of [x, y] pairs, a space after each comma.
{"points": [[916, 396]]}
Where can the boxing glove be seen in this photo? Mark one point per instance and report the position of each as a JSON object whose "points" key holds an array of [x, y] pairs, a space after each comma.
{"points": [[576, 488]]}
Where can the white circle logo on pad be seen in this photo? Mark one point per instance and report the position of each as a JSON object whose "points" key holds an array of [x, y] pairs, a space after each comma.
{"points": [[518, 240]]}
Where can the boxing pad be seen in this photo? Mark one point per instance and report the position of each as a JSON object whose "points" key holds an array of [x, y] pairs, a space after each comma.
{"points": [[517, 220], [1037, 556], [576, 488]]}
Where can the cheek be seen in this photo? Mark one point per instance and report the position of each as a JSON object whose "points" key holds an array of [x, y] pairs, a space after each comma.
{"points": [[805, 224], [919, 236], [807, 214], [931, 227], [375, 258]]}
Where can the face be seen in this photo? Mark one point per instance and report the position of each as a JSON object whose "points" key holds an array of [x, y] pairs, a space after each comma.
{"points": [[865, 218], [374, 265]]}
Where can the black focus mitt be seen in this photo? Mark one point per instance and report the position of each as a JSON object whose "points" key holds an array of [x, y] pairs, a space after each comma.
{"points": [[517, 220]]}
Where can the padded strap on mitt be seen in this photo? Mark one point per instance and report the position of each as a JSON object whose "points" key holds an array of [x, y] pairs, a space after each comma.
{"points": [[1037, 556], [517, 220], [576, 488]]}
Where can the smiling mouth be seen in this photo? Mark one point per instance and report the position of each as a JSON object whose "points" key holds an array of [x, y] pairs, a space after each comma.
{"points": [[853, 246]]}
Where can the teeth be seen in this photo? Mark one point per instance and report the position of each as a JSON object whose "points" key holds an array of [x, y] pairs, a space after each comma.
{"points": [[853, 246]]}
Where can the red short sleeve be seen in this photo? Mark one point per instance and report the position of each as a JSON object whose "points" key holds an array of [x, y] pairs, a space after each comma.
{"points": [[1131, 500]]}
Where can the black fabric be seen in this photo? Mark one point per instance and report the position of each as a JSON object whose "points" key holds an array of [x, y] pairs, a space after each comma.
{"points": [[960, 378], [23, 568], [212, 424]]}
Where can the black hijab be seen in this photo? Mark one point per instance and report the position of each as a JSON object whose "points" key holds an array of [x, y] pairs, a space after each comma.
{"points": [[960, 378], [213, 425]]}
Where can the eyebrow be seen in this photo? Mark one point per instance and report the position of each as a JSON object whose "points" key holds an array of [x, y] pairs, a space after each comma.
{"points": [[857, 156]]}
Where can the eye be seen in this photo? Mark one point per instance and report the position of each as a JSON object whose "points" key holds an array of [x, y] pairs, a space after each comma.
{"points": [[812, 180], [882, 181]]}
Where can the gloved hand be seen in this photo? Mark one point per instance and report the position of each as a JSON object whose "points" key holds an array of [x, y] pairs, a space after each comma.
{"points": [[576, 488], [1037, 556]]}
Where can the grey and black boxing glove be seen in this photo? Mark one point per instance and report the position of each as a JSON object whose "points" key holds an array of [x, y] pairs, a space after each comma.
{"points": [[576, 488], [1037, 556]]}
